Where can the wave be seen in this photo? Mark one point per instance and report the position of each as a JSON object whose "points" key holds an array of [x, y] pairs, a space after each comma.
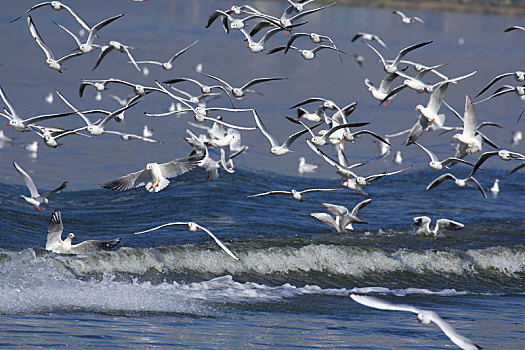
{"points": [[333, 260]]}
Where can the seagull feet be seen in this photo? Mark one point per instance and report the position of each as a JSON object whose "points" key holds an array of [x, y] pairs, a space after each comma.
{"points": [[430, 121]]}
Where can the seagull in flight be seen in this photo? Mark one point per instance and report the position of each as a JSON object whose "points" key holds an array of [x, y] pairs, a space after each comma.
{"points": [[193, 227], [406, 19], [50, 61], [391, 68], [423, 316], [36, 199], [459, 182], [297, 195], [57, 6], [436, 164], [169, 64]]}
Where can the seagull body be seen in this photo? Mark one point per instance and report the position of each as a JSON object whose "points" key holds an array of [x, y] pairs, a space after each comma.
{"points": [[495, 187], [294, 194], [343, 219], [36, 199], [382, 91], [423, 225], [306, 167], [316, 116], [51, 135], [314, 38], [459, 182], [407, 20], [423, 316], [50, 61], [55, 243], [192, 227]]}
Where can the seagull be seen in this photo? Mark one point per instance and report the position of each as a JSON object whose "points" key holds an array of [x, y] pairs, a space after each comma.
{"points": [[519, 90], [469, 138], [192, 227], [327, 104], [147, 132], [51, 135], [56, 5], [310, 54], [423, 225], [238, 23], [50, 61], [169, 64], [36, 199], [495, 187], [343, 218], [369, 37], [419, 67], [299, 5], [297, 195], [258, 46], [436, 164], [415, 83], [55, 243], [518, 76], [205, 89], [306, 167], [429, 119], [23, 124], [240, 92], [32, 147], [115, 45], [97, 128], [391, 68], [314, 38], [423, 316], [381, 93], [459, 182], [88, 46], [277, 149], [155, 176], [502, 154], [407, 20]]}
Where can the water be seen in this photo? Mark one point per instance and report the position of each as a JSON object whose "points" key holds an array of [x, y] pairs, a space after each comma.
{"points": [[290, 289]]}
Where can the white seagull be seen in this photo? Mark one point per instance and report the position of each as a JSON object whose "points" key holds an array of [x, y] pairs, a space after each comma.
{"points": [[155, 176], [437, 164], [423, 225], [57, 6], [297, 195], [423, 316], [277, 149], [55, 243], [407, 20], [168, 65], [343, 218], [305, 167], [115, 45], [36, 199], [459, 182], [391, 68], [240, 92], [192, 227], [369, 37], [50, 61]]}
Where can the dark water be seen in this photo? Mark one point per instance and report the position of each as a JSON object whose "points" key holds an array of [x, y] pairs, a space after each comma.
{"points": [[290, 289]]}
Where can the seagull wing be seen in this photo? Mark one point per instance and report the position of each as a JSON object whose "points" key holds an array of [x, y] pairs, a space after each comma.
{"points": [[8, 103], [69, 32], [260, 80], [131, 58], [377, 303], [179, 166], [28, 180], [325, 219], [481, 160], [436, 98], [38, 38], [469, 118], [492, 82], [268, 193], [218, 241], [431, 154], [294, 136], [129, 181], [450, 332], [440, 179], [100, 25], [406, 50], [54, 230], [292, 39], [31, 9], [161, 226], [360, 206], [473, 179], [56, 190], [219, 80], [263, 129], [182, 51], [377, 53], [446, 224]]}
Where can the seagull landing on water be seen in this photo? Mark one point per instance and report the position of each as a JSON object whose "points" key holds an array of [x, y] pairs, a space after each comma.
{"points": [[55, 243], [423, 225]]}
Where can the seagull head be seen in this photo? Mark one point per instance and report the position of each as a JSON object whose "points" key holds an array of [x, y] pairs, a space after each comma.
{"points": [[71, 235], [425, 317]]}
